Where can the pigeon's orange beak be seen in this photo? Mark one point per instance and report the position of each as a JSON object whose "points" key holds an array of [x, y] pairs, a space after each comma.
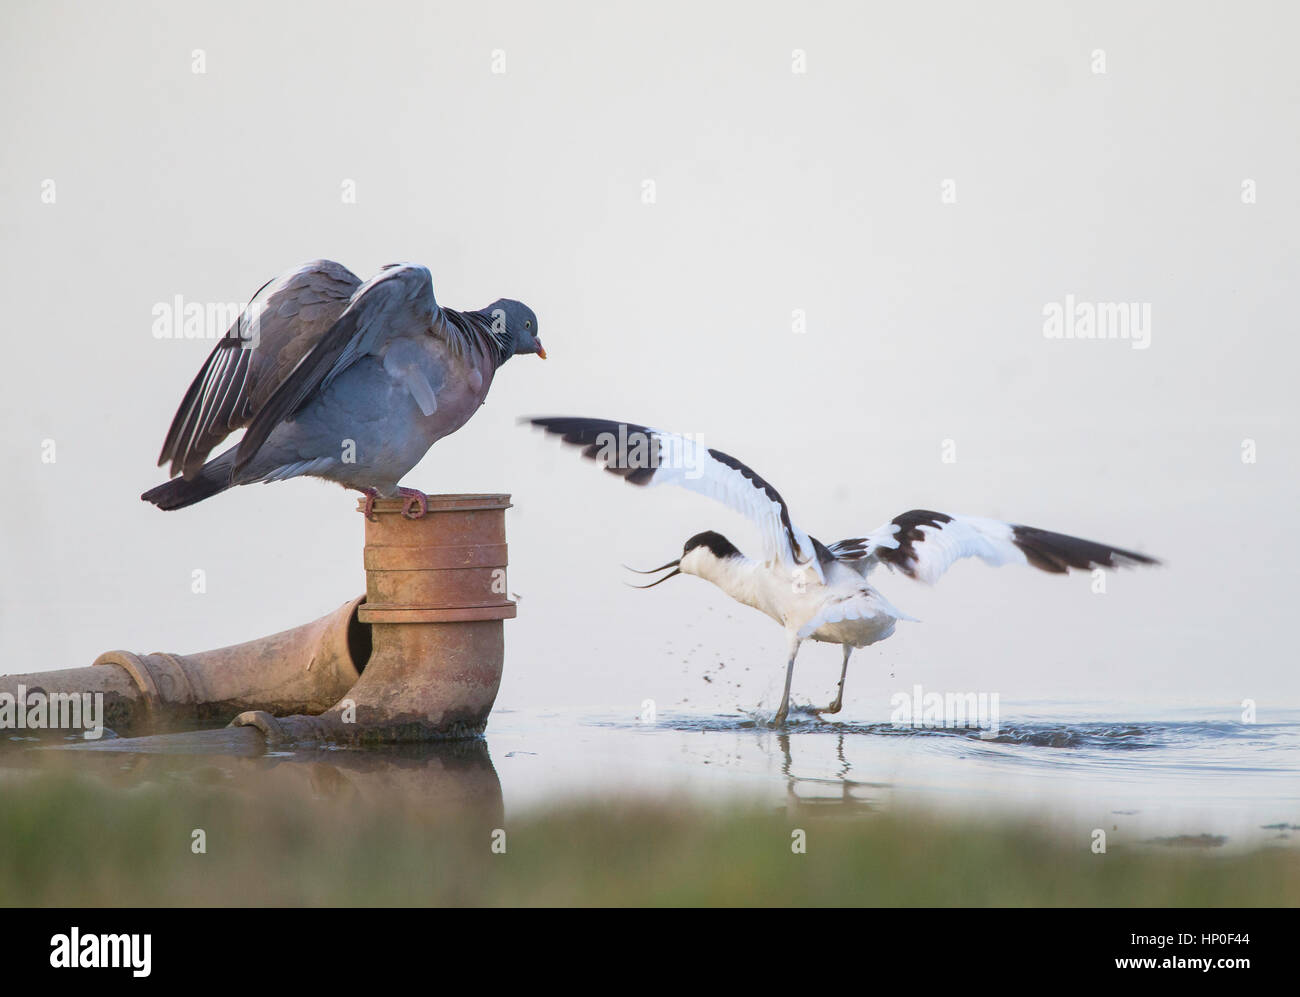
{"points": [[541, 351]]}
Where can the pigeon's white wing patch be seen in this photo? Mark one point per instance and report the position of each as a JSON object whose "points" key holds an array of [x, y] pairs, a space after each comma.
{"points": [[924, 544], [422, 391], [646, 456], [404, 361]]}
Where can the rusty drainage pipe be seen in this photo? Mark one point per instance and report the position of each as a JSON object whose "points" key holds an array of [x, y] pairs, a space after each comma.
{"points": [[435, 602], [303, 670]]}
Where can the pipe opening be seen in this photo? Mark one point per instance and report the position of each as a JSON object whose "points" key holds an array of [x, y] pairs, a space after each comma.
{"points": [[360, 640]]}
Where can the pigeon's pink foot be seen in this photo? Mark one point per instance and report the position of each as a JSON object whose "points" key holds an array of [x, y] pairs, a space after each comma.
{"points": [[415, 499], [369, 510]]}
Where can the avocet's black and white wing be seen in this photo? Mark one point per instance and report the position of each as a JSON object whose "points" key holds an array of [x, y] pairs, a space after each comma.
{"points": [[924, 544], [642, 455]]}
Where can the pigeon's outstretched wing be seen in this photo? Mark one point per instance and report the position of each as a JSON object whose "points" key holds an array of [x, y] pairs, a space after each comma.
{"points": [[397, 302], [924, 544], [283, 322], [642, 455]]}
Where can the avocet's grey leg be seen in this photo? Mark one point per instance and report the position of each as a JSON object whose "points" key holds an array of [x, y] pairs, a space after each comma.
{"points": [[784, 709], [839, 693]]}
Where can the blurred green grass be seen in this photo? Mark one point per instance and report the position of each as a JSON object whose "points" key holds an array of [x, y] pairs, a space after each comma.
{"points": [[73, 840]]}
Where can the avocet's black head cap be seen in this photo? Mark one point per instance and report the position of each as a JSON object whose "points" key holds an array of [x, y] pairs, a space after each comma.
{"points": [[717, 544]]}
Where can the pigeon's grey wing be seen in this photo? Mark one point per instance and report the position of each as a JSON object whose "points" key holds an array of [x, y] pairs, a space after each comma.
{"points": [[642, 455], [397, 302], [285, 319], [924, 544]]}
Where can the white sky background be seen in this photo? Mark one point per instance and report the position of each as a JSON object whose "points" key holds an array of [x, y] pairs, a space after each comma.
{"points": [[775, 191]]}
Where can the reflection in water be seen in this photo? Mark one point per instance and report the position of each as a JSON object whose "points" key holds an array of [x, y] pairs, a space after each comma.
{"points": [[1166, 780], [827, 796], [455, 776], [1156, 781]]}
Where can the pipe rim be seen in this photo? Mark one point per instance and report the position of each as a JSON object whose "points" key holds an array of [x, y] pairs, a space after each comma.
{"points": [[469, 502], [382, 613]]}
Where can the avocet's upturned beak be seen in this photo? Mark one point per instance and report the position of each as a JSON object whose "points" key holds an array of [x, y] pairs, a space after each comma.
{"points": [[662, 567]]}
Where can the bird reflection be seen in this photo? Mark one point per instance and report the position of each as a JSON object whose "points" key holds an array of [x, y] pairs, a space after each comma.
{"points": [[835, 796]]}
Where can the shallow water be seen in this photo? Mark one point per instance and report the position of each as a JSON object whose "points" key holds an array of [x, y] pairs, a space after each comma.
{"points": [[1189, 779]]}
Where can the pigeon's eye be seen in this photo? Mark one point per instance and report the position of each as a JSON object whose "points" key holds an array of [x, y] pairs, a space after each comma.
{"points": [[528, 323]]}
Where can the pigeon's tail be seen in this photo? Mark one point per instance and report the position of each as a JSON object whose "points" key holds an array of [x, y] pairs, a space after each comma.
{"points": [[212, 478]]}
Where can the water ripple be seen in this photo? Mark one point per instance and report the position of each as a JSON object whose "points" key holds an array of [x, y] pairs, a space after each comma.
{"points": [[1089, 735]]}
